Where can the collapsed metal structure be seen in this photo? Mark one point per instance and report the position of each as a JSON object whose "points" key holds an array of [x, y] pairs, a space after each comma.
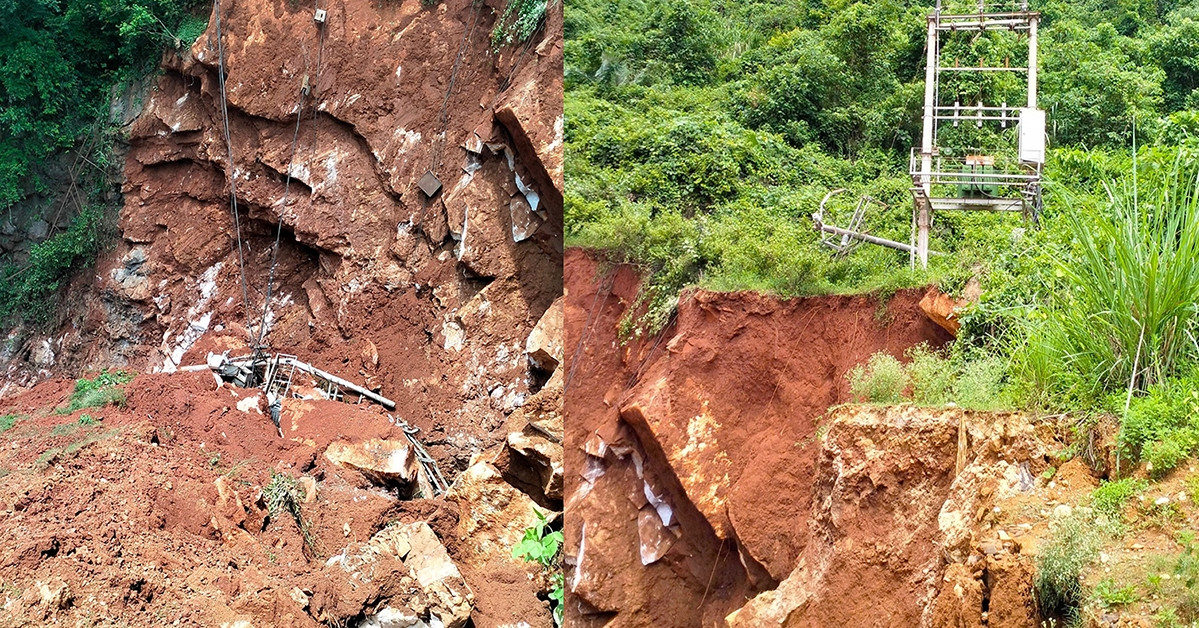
{"points": [[274, 373], [965, 178]]}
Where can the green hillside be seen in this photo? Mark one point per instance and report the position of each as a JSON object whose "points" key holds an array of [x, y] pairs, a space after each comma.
{"points": [[702, 134]]}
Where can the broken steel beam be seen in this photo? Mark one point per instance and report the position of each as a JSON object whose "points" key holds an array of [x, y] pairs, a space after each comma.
{"points": [[312, 370]]}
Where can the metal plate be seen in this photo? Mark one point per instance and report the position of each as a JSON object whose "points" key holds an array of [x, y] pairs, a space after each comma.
{"points": [[429, 184]]}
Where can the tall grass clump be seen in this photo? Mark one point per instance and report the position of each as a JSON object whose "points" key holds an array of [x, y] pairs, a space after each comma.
{"points": [[1127, 318]]}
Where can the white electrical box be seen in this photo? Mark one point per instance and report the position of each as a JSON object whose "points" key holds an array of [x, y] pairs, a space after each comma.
{"points": [[1032, 136], [319, 17]]}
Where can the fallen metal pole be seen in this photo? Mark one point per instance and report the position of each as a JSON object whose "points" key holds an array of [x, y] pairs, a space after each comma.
{"points": [[194, 368], [906, 248], [312, 370]]}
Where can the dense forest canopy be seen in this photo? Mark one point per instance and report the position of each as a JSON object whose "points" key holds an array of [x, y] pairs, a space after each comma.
{"points": [[58, 61], [702, 134]]}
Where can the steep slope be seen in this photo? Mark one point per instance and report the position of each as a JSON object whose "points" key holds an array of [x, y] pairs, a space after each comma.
{"points": [[703, 440]]}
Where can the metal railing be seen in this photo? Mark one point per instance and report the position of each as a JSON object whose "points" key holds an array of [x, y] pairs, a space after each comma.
{"points": [[974, 168]]}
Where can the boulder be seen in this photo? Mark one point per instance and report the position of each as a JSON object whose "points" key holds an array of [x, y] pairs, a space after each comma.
{"points": [[942, 309], [543, 458], [545, 342], [390, 463], [402, 577], [493, 515]]}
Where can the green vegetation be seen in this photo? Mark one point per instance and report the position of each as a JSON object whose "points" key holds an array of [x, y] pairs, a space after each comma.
{"points": [[1074, 542], [881, 380], [1111, 497], [100, 391], [8, 421], [60, 64], [1180, 591], [541, 545], [1111, 595], [930, 379], [1126, 318], [58, 61], [1162, 427], [25, 288], [518, 22], [283, 494]]}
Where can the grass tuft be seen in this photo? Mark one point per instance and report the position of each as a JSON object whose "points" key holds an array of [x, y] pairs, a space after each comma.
{"points": [[283, 493]]}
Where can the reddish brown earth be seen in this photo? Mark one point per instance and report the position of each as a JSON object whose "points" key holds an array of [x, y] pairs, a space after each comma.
{"points": [[128, 512], [433, 301], [723, 407]]}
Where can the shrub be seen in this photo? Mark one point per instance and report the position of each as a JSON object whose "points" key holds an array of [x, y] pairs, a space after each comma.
{"points": [[1110, 498], [8, 421], [1073, 544], [24, 289], [932, 376], [881, 380], [1162, 427], [980, 385], [1164, 455]]}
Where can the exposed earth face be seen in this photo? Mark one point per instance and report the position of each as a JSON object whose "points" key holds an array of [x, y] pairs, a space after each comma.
{"points": [[444, 304]]}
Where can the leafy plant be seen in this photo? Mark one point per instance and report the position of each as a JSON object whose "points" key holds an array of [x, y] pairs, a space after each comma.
{"points": [[100, 391], [881, 380], [86, 419], [541, 545], [58, 61], [1111, 594], [1111, 497]]}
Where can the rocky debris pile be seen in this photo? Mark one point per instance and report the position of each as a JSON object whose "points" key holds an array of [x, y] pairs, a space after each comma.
{"points": [[405, 573], [338, 527]]}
